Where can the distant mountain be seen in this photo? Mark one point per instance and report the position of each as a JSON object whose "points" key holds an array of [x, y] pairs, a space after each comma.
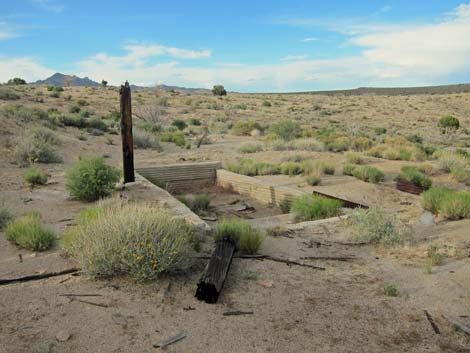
{"points": [[59, 79], [172, 88]]}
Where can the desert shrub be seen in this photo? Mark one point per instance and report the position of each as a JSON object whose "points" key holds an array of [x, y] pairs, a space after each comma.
{"points": [[311, 207], [37, 148], [118, 237], [348, 169], [286, 130], [368, 174], [97, 124], [316, 167], [179, 124], [54, 95], [448, 160], [361, 143], [313, 180], [434, 256], [200, 202], [175, 137], [18, 112], [294, 158], [74, 109], [250, 147], [246, 238], [72, 120], [391, 290], [266, 104], [28, 232], [380, 130], [329, 169], [449, 122], [353, 158], [415, 177], [241, 106], [194, 122], [306, 144], [373, 225], [337, 142], [8, 95], [143, 139], [431, 200], [55, 89], [252, 168], [219, 90], [5, 215], [91, 178], [285, 205], [244, 127], [291, 168], [150, 127], [35, 176], [82, 102], [461, 174], [456, 205], [279, 145], [397, 148]]}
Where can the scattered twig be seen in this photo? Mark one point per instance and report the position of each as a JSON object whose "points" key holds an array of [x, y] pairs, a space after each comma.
{"points": [[188, 308], [237, 312], [333, 258], [206, 132], [65, 279], [431, 321], [170, 340], [80, 295], [91, 303], [38, 276]]}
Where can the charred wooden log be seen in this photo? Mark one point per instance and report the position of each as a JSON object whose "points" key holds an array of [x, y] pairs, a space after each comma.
{"points": [[212, 280]]}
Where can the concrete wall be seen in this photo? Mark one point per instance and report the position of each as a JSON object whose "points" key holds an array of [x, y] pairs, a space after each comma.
{"points": [[260, 190], [183, 177]]}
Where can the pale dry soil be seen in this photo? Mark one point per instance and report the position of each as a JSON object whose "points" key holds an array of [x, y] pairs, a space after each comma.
{"points": [[295, 309]]}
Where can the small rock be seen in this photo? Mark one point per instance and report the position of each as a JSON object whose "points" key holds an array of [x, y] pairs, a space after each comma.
{"points": [[266, 283], [427, 219], [63, 336]]}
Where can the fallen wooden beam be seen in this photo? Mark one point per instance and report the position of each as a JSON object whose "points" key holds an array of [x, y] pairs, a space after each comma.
{"points": [[38, 276], [346, 203], [406, 186], [212, 280]]}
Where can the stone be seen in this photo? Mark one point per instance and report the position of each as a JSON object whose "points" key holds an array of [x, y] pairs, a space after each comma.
{"points": [[63, 336], [427, 219], [266, 283]]}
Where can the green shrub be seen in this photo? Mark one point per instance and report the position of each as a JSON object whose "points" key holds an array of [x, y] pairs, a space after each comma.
{"points": [[448, 160], [194, 122], [368, 174], [266, 104], [144, 140], [72, 120], [311, 207], [245, 127], [415, 177], [361, 143], [97, 124], [348, 169], [241, 106], [461, 174], [179, 124], [34, 176], [391, 290], [246, 238], [431, 199], [201, 202], [74, 109], [285, 205], [16, 81], [5, 215], [380, 130], [313, 180], [118, 237], [336, 142], [82, 102], [18, 112], [8, 95], [316, 167], [456, 205], [286, 130], [176, 137], [91, 178], [397, 148], [150, 127], [373, 225], [219, 90], [250, 147], [251, 168], [54, 95], [291, 168], [449, 122], [29, 233], [306, 144]]}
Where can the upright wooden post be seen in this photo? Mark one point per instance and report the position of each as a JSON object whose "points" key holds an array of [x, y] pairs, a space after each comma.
{"points": [[126, 133]]}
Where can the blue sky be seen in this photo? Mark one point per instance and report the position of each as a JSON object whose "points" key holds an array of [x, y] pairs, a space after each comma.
{"points": [[250, 46]]}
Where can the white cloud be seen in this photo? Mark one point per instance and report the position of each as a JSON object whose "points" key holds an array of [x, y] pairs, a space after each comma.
{"points": [[49, 5], [294, 57], [26, 68], [309, 39]]}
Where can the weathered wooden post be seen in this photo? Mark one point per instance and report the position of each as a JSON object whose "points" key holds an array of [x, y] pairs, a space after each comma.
{"points": [[126, 133]]}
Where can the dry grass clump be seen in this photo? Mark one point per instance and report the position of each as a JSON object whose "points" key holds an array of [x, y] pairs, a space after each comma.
{"points": [[364, 172], [145, 140], [397, 148], [448, 160], [38, 146], [316, 167], [244, 127], [307, 144], [251, 167], [5, 215], [311, 207], [35, 176], [246, 238], [250, 147], [118, 237], [354, 158], [28, 232], [373, 225]]}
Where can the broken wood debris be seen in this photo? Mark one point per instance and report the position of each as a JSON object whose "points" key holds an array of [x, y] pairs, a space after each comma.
{"points": [[237, 312], [170, 340], [91, 303], [431, 321], [212, 280], [329, 258], [38, 276], [80, 295], [458, 326]]}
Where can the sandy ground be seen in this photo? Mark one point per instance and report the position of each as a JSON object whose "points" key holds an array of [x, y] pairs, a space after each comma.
{"points": [[295, 309]]}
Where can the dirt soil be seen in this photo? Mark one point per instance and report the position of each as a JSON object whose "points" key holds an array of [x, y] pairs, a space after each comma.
{"points": [[342, 308]]}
